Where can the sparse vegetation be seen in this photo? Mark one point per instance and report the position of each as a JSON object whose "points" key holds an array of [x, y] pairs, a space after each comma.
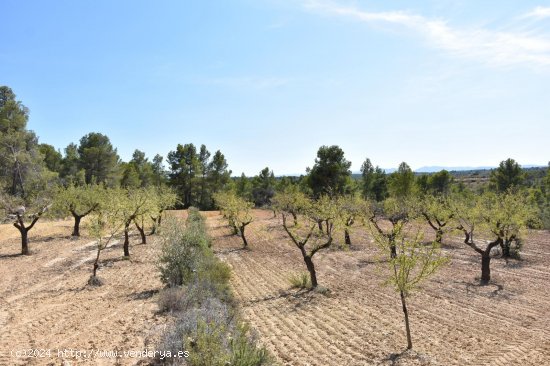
{"points": [[207, 324]]}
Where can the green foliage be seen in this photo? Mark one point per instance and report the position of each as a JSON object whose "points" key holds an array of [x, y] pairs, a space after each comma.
{"points": [[374, 182], [414, 262], [23, 172], [181, 248], [206, 324], [300, 280], [236, 210], [52, 158], [244, 351], [263, 187], [401, 182], [508, 175], [437, 211], [507, 216], [330, 174], [98, 159], [195, 177]]}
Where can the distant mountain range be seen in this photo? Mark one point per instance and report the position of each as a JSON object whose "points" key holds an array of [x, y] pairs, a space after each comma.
{"points": [[433, 169]]}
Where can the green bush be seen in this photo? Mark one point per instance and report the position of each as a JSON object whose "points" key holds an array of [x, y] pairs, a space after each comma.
{"points": [[206, 324], [300, 280]]}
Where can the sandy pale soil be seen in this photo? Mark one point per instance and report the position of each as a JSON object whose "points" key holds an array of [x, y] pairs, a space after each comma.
{"points": [[453, 320], [46, 305]]}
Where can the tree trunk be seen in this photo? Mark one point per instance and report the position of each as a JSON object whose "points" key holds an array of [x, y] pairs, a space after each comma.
{"points": [[407, 327], [241, 229], [311, 269], [505, 246], [141, 233], [320, 224], [76, 228], [485, 269], [126, 242], [24, 241], [346, 237], [295, 218], [438, 236]]}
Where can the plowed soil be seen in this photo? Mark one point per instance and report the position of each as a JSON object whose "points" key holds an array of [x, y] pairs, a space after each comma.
{"points": [[45, 304], [454, 321]]}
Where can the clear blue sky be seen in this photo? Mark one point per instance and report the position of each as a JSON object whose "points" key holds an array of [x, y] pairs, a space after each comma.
{"points": [[434, 82]]}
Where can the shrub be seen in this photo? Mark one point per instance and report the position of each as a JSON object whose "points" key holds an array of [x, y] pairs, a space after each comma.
{"points": [[198, 292], [300, 280]]}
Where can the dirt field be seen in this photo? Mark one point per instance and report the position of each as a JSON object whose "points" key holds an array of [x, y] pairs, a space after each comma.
{"points": [[453, 321], [44, 303]]}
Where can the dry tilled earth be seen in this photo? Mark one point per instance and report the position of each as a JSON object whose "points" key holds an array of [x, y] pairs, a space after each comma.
{"points": [[45, 303], [454, 321]]}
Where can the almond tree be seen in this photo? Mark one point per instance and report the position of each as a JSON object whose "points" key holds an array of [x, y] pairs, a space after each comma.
{"points": [[237, 210], [479, 214], [437, 211], [350, 208], [80, 201], [165, 198], [104, 225], [134, 202], [410, 263], [507, 216], [306, 234], [291, 201], [397, 211], [24, 216]]}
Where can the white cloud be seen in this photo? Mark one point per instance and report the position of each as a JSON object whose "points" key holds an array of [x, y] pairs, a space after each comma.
{"points": [[502, 48], [539, 12]]}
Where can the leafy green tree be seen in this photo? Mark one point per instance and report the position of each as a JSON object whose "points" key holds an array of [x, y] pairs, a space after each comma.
{"points": [[52, 158], [104, 224], [374, 182], [488, 216], [398, 212], [134, 203], [237, 210], [71, 173], [204, 161], [306, 234], [130, 176], [263, 187], [80, 201], [349, 210], [165, 198], [331, 172], [184, 169], [508, 174], [98, 159], [410, 263], [159, 173], [143, 167], [24, 214], [440, 182], [22, 169], [243, 187], [218, 176], [401, 182], [292, 201], [507, 216], [438, 213]]}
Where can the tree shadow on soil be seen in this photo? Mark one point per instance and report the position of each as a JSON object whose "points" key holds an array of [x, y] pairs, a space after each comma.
{"points": [[144, 295], [408, 355], [14, 255]]}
